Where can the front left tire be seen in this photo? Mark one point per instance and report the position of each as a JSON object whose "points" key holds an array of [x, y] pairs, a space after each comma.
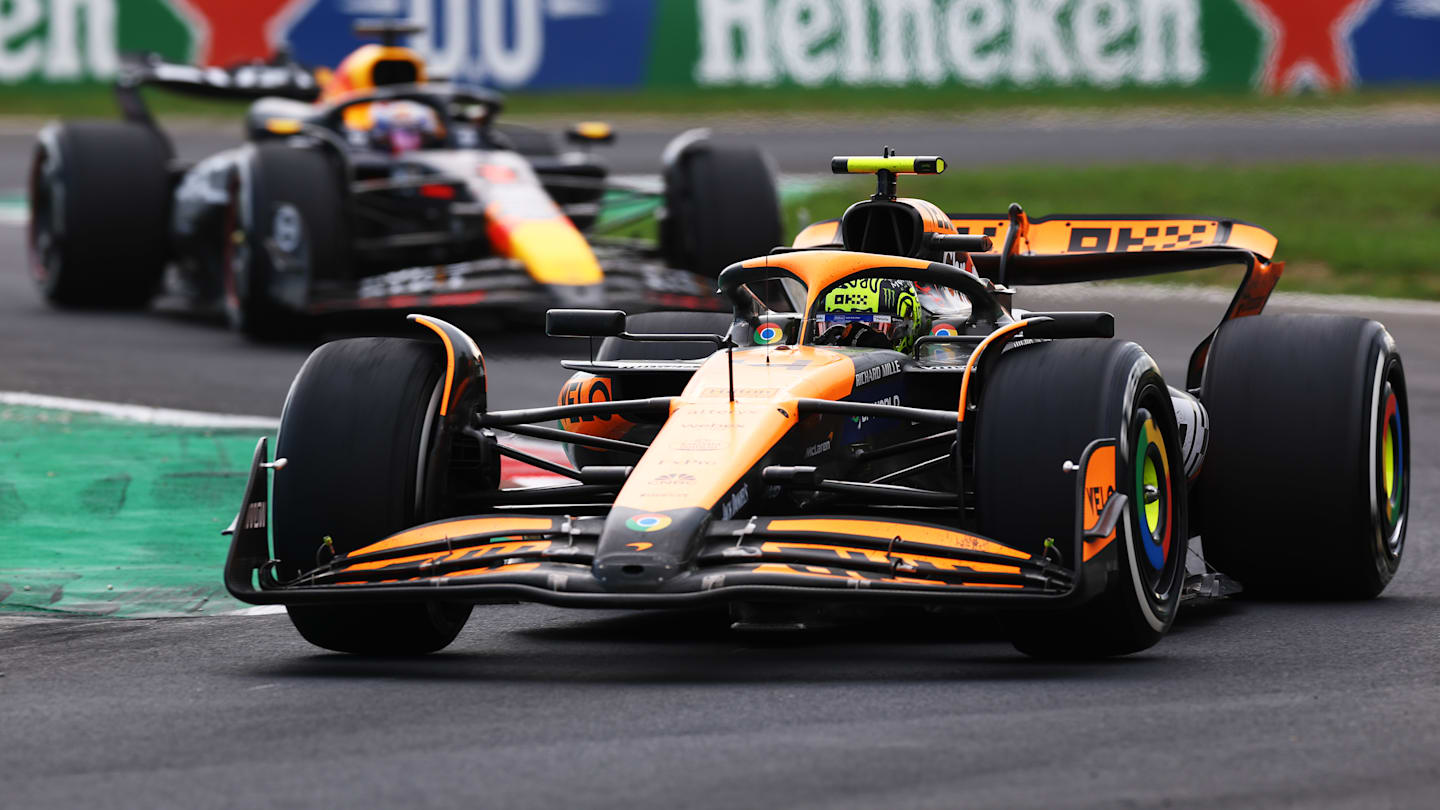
{"points": [[356, 431]]}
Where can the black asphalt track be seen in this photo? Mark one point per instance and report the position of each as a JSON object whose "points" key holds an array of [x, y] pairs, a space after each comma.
{"points": [[800, 143], [1245, 704]]}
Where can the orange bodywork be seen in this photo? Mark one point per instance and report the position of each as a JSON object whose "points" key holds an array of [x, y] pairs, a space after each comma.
{"points": [[457, 528], [1095, 234], [821, 269], [883, 530], [1054, 235], [873, 555], [709, 443], [584, 389], [1099, 486], [1255, 289], [818, 234], [501, 549], [356, 74]]}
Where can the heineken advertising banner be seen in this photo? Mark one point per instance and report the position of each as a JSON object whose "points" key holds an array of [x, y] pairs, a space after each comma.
{"points": [[1272, 45]]}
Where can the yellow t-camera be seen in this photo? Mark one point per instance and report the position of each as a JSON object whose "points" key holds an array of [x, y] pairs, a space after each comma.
{"points": [[894, 164]]}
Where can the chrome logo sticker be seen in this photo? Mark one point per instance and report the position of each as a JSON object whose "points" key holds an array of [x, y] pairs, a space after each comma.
{"points": [[647, 523], [768, 333]]}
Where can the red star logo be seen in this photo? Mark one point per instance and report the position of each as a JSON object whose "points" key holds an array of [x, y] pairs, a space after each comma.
{"points": [[1309, 41], [232, 32]]}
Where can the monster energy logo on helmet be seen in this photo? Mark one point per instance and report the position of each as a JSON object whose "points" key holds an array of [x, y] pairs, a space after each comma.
{"points": [[886, 305]]}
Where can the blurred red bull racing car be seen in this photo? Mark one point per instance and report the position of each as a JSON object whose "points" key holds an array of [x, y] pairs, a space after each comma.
{"points": [[371, 188], [876, 422]]}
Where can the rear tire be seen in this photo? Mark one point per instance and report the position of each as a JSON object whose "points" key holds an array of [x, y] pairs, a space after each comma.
{"points": [[293, 233], [99, 221], [1043, 406], [355, 433], [721, 207], [1293, 496]]}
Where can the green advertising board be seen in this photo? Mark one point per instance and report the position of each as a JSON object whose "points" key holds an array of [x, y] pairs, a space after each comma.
{"points": [[82, 40], [978, 43]]}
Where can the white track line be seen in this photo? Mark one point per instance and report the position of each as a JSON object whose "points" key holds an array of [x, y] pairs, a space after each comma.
{"points": [[171, 417], [141, 414]]}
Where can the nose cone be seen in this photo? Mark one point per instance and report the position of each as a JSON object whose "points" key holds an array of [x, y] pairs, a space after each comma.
{"points": [[635, 572], [642, 551]]}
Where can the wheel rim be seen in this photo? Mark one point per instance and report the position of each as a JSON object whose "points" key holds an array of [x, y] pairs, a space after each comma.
{"points": [[1392, 484], [1152, 487], [42, 240], [234, 260]]}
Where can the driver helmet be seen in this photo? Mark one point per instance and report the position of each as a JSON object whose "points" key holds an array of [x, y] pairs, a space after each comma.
{"points": [[874, 312], [940, 301], [402, 126]]}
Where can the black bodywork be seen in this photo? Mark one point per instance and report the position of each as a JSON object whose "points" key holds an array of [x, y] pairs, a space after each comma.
{"points": [[427, 229]]}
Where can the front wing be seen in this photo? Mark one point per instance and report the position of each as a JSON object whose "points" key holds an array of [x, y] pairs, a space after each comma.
{"points": [[546, 558]]}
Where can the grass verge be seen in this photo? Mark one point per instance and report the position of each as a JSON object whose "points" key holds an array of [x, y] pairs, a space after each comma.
{"points": [[1362, 228]]}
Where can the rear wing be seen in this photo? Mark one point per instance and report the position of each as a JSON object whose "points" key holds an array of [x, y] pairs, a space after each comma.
{"points": [[1068, 248], [1118, 233], [243, 83]]}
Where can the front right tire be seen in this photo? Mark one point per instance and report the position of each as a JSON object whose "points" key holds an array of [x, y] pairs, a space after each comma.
{"points": [[99, 214], [721, 207]]}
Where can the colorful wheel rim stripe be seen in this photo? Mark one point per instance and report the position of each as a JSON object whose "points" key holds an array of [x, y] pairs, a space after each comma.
{"points": [[1392, 458], [768, 333], [1153, 470], [647, 523]]}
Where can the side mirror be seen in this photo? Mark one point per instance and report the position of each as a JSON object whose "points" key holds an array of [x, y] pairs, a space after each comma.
{"points": [[590, 132], [1071, 325], [584, 322]]}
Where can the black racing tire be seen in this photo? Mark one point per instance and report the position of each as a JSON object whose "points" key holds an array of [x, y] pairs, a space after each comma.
{"points": [[293, 211], [721, 207], [674, 323], [100, 209], [354, 433], [1293, 495], [1042, 406]]}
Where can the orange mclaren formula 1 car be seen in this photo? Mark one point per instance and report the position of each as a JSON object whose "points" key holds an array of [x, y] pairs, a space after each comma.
{"points": [[876, 423], [374, 188]]}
